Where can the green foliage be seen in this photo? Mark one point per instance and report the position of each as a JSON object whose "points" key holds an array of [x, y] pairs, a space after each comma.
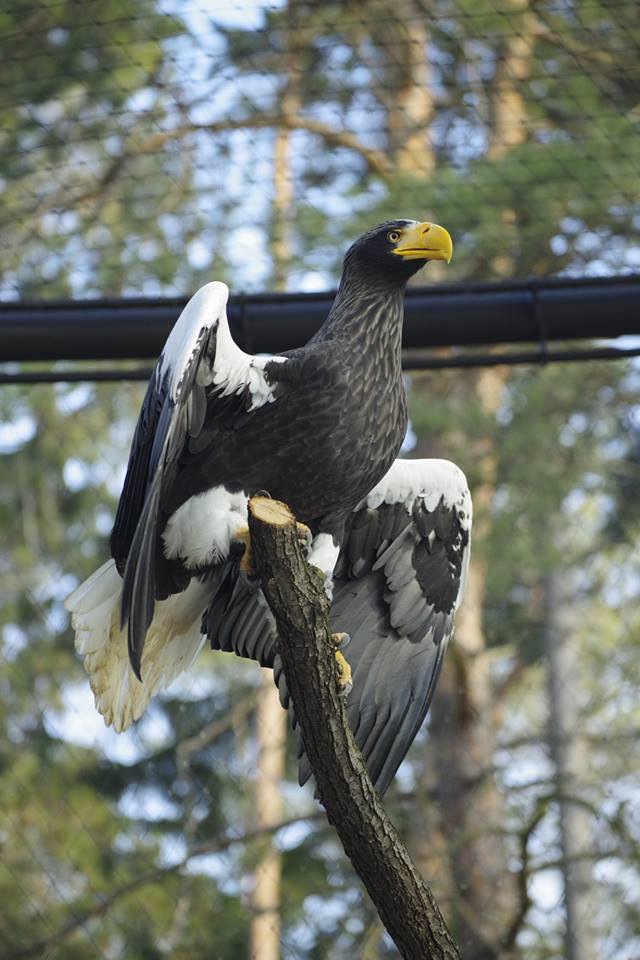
{"points": [[78, 827], [93, 204], [78, 79]]}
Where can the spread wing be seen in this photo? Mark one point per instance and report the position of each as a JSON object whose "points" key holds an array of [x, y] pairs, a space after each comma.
{"points": [[201, 376], [398, 583], [403, 569]]}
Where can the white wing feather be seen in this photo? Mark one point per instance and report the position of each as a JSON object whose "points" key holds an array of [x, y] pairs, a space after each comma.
{"points": [[173, 641], [430, 479], [174, 636], [233, 369]]}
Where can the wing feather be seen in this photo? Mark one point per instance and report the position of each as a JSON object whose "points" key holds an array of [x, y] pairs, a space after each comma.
{"points": [[399, 610], [201, 376], [414, 587], [398, 583]]}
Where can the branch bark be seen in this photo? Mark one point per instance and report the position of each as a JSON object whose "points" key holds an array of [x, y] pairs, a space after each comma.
{"points": [[296, 595]]}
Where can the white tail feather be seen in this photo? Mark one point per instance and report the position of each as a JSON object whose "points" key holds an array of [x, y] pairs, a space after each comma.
{"points": [[172, 642]]}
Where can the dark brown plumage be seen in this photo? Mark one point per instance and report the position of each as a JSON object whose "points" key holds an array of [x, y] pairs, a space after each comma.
{"points": [[318, 427], [335, 425]]}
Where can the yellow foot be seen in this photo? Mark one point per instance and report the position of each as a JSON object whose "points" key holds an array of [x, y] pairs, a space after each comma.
{"points": [[345, 682]]}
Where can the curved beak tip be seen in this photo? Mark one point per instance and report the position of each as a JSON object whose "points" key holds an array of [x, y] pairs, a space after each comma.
{"points": [[439, 242]]}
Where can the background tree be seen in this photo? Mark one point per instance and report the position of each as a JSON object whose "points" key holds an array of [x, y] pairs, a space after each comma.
{"points": [[144, 153]]}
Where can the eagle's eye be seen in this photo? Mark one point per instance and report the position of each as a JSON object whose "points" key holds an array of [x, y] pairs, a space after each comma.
{"points": [[393, 236]]}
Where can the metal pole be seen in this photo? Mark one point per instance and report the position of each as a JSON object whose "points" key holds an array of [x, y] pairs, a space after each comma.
{"points": [[532, 311]]}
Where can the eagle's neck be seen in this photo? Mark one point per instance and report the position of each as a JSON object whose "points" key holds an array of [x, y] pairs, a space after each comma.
{"points": [[367, 310], [364, 330]]}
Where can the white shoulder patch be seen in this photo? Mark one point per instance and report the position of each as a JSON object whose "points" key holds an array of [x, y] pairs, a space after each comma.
{"points": [[233, 370], [430, 479]]}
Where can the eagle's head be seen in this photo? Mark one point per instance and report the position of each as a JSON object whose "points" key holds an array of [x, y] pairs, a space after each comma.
{"points": [[396, 249]]}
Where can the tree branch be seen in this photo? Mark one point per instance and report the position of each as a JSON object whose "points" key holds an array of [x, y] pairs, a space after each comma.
{"points": [[296, 595], [377, 160], [524, 895]]}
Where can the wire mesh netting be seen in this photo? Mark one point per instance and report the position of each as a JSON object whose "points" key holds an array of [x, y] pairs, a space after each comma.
{"points": [[148, 147], [147, 144]]}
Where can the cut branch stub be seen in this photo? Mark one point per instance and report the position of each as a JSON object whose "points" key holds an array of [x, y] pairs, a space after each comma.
{"points": [[295, 592]]}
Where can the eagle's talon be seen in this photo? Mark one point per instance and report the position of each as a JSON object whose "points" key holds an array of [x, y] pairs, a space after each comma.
{"points": [[345, 681]]}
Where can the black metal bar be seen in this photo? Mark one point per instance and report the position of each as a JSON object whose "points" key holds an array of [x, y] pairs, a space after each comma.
{"points": [[456, 315], [410, 362], [75, 376], [533, 357]]}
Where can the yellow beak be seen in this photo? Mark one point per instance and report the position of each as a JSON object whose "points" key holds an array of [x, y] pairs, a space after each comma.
{"points": [[425, 241]]}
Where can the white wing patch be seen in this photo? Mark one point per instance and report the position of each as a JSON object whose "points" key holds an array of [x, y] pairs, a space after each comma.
{"points": [[429, 479], [201, 530], [233, 370]]}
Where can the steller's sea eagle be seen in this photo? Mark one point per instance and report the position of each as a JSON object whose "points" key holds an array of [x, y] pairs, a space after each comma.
{"points": [[319, 428]]}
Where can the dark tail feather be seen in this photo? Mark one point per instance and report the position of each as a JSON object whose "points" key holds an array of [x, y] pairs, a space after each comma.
{"points": [[213, 619], [392, 688], [139, 588]]}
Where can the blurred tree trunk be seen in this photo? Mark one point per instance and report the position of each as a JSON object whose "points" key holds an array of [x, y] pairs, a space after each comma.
{"points": [[508, 114], [283, 195], [463, 740], [570, 755], [271, 722], [426, 841], [508, 118], [410, 98], [568, 748], [264, 936]]}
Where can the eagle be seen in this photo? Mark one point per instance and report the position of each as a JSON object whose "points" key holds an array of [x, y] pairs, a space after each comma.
{"points": [[320, 428]]}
